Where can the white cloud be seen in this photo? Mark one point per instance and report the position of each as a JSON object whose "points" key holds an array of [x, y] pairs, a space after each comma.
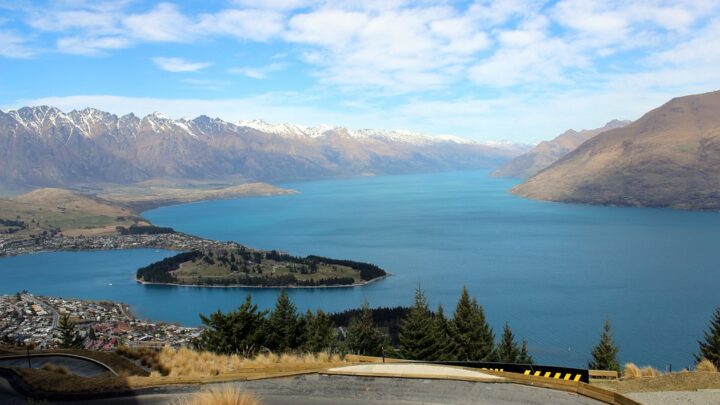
{"points": [[164, 23], [179, 65], [91, 46], [13, 45], [258, 72]]}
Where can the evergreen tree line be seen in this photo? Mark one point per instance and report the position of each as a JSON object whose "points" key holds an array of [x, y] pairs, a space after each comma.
{"points": [[422, 335], [605, 354]]}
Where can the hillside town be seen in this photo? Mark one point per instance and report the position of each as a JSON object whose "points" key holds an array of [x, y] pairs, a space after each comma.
{"points": [[29, 319], [169, 241]]}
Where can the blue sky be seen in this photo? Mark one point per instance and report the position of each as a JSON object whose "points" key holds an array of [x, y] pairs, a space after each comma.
{"points": [[489, 70]]}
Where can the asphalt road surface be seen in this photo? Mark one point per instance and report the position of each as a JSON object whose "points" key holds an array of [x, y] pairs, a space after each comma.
{"points": [[74, 365], [346, 390]]}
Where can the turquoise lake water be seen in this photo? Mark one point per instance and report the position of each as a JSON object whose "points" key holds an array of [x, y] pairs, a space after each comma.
{"points": [[553, 271]]}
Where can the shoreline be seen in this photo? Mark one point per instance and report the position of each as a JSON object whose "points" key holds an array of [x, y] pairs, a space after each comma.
{"points": [[265, 286]]}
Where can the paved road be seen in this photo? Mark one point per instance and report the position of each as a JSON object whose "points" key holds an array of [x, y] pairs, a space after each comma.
{"points": [[73, 365], [346, 390], [702, 397]]}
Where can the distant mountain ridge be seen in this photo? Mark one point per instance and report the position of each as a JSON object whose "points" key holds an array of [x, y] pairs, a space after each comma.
{"points": [[548, 152], [670, 157], [45, 147]]}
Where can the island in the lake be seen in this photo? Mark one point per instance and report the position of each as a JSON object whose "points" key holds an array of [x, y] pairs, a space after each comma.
{"points": [[235, 265]]}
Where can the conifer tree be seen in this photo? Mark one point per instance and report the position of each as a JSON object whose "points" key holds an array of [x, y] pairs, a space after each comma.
{"points": [[710, 347], [447, 346], [417, 331], [282, 332], [473, 335], [507, 350], [319, 332], [524, 357], [238, 332], [604, 355], [68, 334], [362, 336]]}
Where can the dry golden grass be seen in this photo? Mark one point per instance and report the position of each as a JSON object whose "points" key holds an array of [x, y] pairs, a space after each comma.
{"points": [[706, 366], [648, 371], [631, 371], [55, 369], [186, 362], [226, 395], [676, 381]]}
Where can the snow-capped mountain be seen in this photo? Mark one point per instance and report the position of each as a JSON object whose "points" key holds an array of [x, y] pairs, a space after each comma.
{"points": [[43, 146]]}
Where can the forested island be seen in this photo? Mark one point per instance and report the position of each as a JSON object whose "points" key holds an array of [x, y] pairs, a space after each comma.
{"points": [[235, 266]]}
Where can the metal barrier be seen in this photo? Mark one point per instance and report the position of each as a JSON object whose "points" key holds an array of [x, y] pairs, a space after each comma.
{"points": [[554, 372]]}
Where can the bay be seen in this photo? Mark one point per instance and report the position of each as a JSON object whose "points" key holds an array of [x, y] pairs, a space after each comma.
{"points": [[554, 271]]}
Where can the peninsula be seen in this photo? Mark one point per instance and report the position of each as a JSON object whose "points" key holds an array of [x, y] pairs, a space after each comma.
{"points": [[234, 265]]}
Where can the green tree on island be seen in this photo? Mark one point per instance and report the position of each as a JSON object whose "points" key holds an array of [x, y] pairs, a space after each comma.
{"points": [[68, 335], [362, 336], [418, 340], [604, 355], [710, 347], [238, 332], [319, 334], [283, 332], [472, 333]]}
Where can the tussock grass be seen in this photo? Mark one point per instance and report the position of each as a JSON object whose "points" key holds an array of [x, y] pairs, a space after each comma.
{"points": [[55, 369], [706, 366], [648, 371], [226, 395], [631, 371], [186, 362]]}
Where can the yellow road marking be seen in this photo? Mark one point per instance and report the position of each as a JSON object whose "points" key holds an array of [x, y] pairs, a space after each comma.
{"points": [[527, 372], [567, 376], [577, 378], [547, 374], [557, 376], [537, 374]]}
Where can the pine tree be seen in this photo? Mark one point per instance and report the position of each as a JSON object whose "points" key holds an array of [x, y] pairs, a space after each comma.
{"points": [[68, 335], [238, 332], [319, 332], [362, 336], [447, 346], [710, 347], [417, 331], [507, 350], [282, 331], [605, 353], [473, 335], [524, 357]]}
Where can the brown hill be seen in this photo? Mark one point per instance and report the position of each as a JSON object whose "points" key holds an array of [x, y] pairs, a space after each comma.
{"points": [[668, 158], [548, 152]]}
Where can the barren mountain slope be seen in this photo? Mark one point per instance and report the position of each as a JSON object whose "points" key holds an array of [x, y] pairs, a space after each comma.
{"points": [[548, 152], [668, 158]]}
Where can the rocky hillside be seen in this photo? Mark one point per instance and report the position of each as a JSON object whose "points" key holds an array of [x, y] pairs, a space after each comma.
{"points": [[668, 158], [42, 146], [548, 152]]}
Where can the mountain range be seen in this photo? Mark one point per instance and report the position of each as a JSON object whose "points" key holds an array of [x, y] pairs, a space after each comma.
{"points": [[548, 152], [45, 147], [670, 157]]}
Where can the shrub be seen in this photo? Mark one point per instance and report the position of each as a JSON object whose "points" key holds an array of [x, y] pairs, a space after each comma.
{"points": [[631, 371], [225, 395], [648, 371], [706, 366], [55, 369]]}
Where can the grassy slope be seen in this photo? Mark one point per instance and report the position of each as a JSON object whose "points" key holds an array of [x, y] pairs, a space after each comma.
{"points": [[74, 213]]}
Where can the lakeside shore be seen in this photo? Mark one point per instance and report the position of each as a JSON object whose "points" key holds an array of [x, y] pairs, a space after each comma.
{"points": [[360, 284]]}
